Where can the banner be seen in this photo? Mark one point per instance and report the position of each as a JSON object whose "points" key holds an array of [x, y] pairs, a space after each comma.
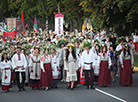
{"points": [[9, 34], [59, 18], [1, 30], [20, 27], [11, 23]]}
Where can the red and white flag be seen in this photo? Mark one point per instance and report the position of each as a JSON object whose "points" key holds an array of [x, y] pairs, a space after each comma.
{"points": [[59, 18]]}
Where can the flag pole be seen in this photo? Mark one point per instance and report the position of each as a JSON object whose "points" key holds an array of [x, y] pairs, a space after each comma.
{"points": [[58, 8]]}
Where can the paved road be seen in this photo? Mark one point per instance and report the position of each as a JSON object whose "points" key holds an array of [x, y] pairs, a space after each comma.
{"points": [[80, 94]]}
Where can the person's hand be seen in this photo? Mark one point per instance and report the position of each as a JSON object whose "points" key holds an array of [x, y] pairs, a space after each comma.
{"points": [[17, 68], [43, 71], [83, 68], [53, 69], [67, 70], [31, 69], [99, 68], [23, 68], [93, 67], [132, 66], [108, 67], [58, 69], [122, 66]]}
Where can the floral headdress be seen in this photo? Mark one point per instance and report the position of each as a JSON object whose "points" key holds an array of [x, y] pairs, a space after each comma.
{"points": [[86, 43], [60, 42]]}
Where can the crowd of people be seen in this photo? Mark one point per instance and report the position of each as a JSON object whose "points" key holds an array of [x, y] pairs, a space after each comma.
{"points": [[41, 60]]}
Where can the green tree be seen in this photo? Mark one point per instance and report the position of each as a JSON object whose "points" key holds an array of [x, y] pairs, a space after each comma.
{"points": [[120, 15]]}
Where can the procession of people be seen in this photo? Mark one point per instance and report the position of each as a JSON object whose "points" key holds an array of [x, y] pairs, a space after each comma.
{"points": [[44, 60]]}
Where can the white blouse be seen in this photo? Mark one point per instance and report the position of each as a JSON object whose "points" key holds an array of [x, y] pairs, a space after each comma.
{"points": [[127, 57], [5, 64], [106, 57], [45, 59]]}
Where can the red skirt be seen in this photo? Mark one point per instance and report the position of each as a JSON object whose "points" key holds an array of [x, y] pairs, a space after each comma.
{"points": [[126, 73], [136, 46], [104, 74], [6, 87], [47, 77]]}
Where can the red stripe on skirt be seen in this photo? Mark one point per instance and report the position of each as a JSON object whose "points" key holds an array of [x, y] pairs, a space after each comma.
{"points": [[104, 74], [47, 77], [6, 88], [126, 73]]}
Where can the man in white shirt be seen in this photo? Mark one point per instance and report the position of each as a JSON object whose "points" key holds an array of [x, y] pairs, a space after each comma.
{"points": [[88, 65], [19, 64]]}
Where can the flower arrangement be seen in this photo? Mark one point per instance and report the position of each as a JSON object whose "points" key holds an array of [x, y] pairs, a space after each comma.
{"points": [[86, 43]]}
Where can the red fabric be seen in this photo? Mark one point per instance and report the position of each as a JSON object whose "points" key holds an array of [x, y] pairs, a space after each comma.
{"points": [[136, 46], [19, 57], [82, 79], [104, 74], [9, 35], [22, 18], [6, 88], [126, 73], [47, 77]]}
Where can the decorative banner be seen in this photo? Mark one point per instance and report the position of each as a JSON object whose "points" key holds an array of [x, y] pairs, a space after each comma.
{"points": [[20, 27], [1, 30], [9, 34], [11, 23], [59, 17]]}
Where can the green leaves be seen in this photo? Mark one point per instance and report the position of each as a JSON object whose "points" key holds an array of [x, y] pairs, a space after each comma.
{"points": [[121, 15]]}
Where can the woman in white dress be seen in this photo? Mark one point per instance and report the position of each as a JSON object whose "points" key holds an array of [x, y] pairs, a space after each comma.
{"points": [[55, 67], [71, 66], [35, 69], [96, 70], [6, 73]]}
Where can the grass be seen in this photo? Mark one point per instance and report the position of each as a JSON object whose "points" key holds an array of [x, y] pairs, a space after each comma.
{"points": [[136, 60]]}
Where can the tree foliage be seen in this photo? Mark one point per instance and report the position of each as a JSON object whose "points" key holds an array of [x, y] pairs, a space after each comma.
{"points": [[120, 15]]}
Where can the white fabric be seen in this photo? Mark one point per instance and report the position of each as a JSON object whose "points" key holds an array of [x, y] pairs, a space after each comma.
{"points": [[127, 57], [135, 39], [104, 58], [88, 58], [34, 66], [4, 65], [45, 59], [16, 62], [55, 65]]}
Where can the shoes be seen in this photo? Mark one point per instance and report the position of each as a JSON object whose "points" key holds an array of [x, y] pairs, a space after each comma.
{"points": [[92, 87], [87, 87], [56, 87], [23, 89], [46, 89], [19, 90], [72, 88], [63, 80], [68, 87]]}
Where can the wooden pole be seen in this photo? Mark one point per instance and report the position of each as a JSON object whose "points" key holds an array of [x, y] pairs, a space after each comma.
{"points": [[58, 8]]}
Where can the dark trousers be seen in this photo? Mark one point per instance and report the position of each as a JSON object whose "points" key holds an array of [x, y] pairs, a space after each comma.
{"points": [[55, 82], [20, 85], [87, 74]]}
